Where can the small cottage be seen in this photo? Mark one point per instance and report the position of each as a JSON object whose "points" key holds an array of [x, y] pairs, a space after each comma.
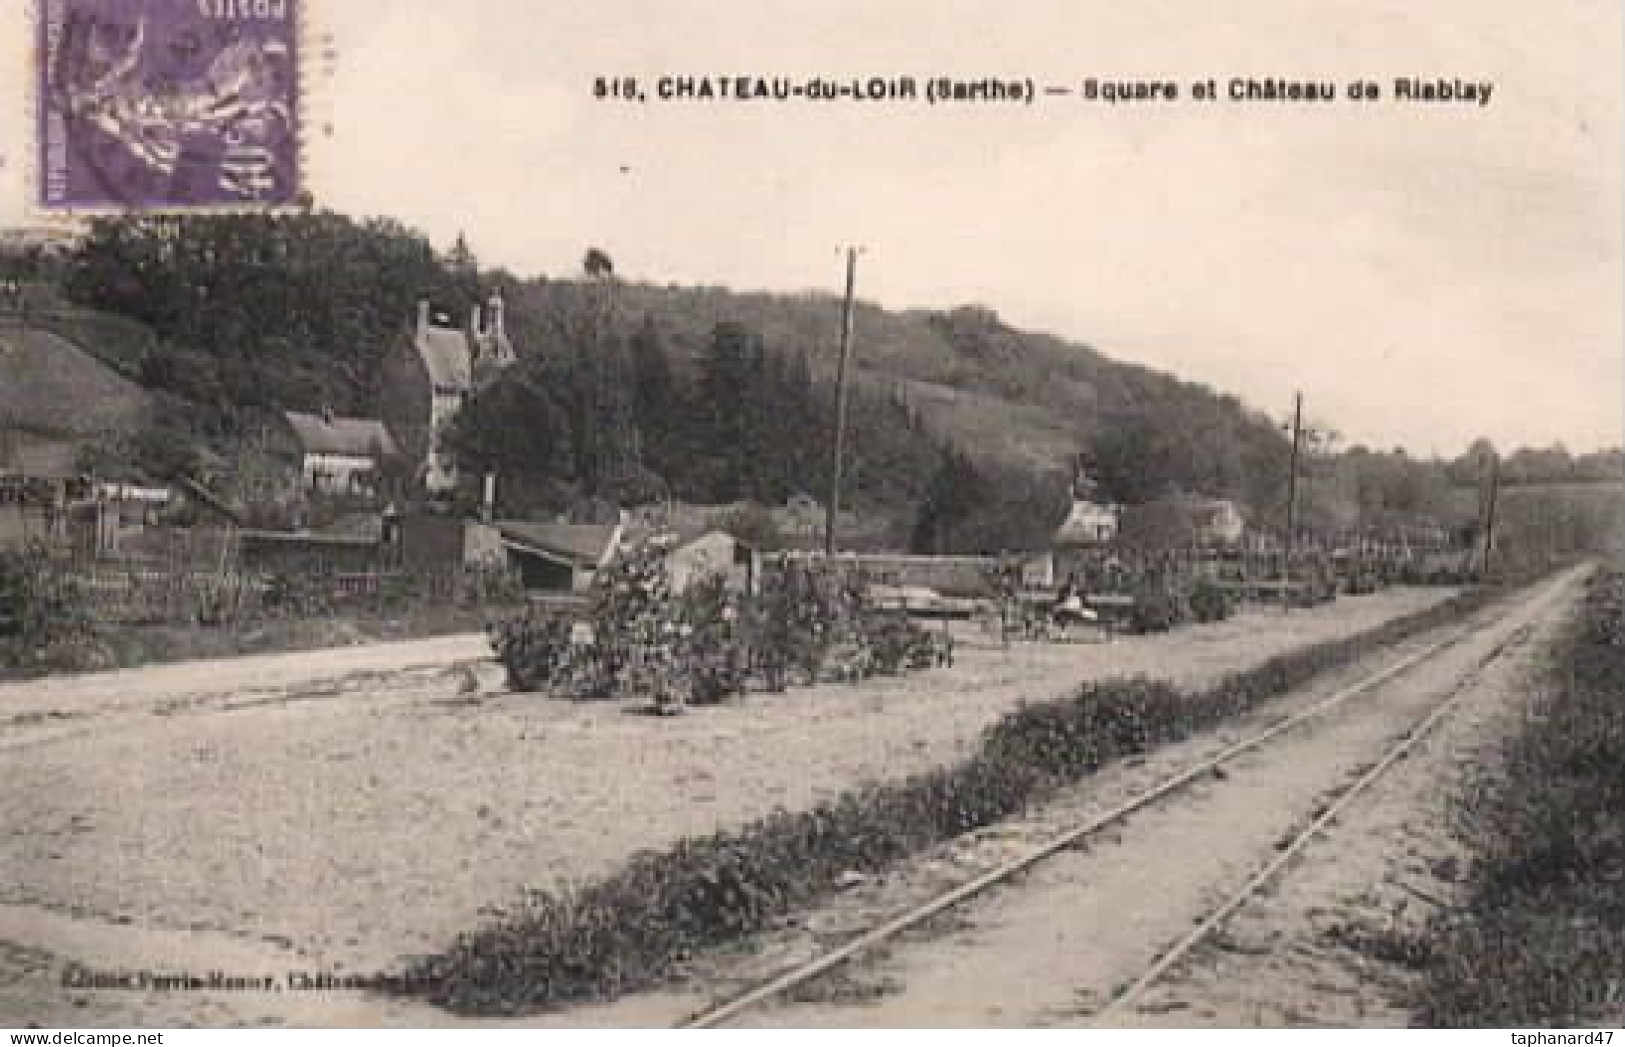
{"points": [[550, 557], [1088, 523], [340, 456], [1215, 521], [697, 556]]}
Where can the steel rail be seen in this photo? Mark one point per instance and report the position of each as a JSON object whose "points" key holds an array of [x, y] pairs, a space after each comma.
{"points": [[1419, 730]]}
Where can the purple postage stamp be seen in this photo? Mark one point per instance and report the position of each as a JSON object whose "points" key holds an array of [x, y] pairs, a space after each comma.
{"points": [[167, 105]]}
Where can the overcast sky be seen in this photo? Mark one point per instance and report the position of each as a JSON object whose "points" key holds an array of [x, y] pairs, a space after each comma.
{"points": [[1425, 273]]}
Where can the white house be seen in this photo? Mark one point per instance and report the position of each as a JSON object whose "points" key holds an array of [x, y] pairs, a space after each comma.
{"points": [[340, 456], [696, 557], [1216, 521], [1088, 523]]}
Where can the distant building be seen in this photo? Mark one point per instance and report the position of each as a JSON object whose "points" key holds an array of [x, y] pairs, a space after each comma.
{"points": [[340, 456], [1215, 521], [801, 519], [1088, 523], [553, 557], [801, 516], [302, 552], [696, 556], [430, 373], [124, 511], [1038, 571], [1091, 521]]}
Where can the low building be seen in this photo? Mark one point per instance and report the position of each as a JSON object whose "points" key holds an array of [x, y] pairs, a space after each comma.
{"points": [[1088, 523], [341, 456], [125, 511], [548, 557], [1215, 521], [1038, 571], [697, 556]]}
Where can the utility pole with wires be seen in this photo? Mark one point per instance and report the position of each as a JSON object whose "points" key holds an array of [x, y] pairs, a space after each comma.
{"points": [[1292, 500], [1489, 512], [832, 509]]}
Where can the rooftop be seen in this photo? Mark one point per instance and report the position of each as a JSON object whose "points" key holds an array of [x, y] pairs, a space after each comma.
{"points": [[586, 544], [332, 434]]}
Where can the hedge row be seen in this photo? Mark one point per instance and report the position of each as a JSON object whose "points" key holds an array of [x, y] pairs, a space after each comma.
{"points": [[630, 930]]}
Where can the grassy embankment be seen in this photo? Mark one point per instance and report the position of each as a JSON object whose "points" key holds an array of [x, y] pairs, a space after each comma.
{"points": [[1540, 938]]}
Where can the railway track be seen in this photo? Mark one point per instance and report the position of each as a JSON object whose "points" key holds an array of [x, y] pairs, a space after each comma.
{"points": [[1132, 992], [728, 1010]]}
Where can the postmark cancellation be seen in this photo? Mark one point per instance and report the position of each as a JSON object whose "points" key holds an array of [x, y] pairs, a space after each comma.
{"points": [[167, 105]]}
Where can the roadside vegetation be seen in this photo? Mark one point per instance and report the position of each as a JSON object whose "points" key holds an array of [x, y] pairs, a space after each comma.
{"points": [[634, 928], [56, 618], [1540, 939]]}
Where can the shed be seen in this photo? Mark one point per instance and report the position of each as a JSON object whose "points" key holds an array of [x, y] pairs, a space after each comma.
{"points": [[713, 552], [559, 557]]}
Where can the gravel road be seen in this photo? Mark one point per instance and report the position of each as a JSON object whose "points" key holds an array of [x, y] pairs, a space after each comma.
{"points": [[341, 811]]}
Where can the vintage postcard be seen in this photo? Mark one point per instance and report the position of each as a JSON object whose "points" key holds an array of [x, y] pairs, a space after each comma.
{"points": [[783, 514]]}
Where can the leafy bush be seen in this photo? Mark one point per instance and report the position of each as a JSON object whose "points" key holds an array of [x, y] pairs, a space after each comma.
{"points": [[628, 930], [711, 650], [297, 594], [1158, 607], [1362, 582], [534, 648], [1210, 601], [42, 612], [480, 585], [801, 613], [893, 640]]}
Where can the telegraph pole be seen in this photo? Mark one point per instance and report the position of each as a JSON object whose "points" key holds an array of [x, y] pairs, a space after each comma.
{"points": [[1489, 511], [833, 508], [1292, 498]]}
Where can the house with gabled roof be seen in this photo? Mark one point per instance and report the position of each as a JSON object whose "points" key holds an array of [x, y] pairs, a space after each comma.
{"points": [[1090, 520], [561, 557], [339, 455], [433, 369]]}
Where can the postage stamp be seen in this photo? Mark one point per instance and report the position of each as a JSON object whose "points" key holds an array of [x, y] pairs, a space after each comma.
{"points": [[167, 105]]}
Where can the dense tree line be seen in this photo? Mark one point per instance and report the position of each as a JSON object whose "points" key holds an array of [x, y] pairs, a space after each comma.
{"points": [[265, 310], [630, 392], [746, 423]]}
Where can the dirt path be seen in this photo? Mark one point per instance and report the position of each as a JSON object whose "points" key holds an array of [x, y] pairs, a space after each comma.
{"points": [[1053, 949], [343, 811]]}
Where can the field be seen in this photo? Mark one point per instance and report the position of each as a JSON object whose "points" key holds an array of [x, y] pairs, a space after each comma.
{"points": [[282, 805]]}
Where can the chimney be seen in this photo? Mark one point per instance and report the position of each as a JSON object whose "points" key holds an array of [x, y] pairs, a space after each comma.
{"points": [[327, 414], [488, 504], [423, 316]]}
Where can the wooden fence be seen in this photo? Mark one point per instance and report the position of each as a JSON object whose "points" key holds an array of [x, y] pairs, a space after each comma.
{"points": [[146, 596]]}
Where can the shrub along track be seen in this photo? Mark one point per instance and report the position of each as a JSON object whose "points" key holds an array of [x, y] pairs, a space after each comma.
{"points": [[632, 930], [1071, 837], [1062, 946]]}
